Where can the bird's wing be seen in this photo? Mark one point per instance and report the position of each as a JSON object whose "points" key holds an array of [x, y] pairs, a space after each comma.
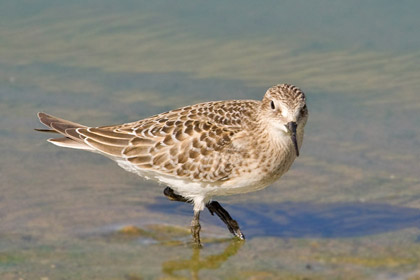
{"points": [[77, 136], [190, 142]]}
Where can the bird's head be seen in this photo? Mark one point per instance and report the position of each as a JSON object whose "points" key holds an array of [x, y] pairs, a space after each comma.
{"points": [[284, 107]]}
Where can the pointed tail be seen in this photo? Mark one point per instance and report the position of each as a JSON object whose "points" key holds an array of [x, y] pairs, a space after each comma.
{"points": [[66, 128]]}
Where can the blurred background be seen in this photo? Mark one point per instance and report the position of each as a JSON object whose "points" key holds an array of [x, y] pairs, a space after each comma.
{"points": [[349, 208]]}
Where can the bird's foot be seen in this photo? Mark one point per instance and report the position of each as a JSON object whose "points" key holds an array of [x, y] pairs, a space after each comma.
{"points": [[232, 225], [214, 208]]}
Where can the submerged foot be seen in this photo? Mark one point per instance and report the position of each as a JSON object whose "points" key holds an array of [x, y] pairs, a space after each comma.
{"points": [[214, 208], [195, 229]]}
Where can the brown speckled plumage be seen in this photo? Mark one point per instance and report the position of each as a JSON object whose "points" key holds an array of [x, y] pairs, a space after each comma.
{"points": [[207, 149]]}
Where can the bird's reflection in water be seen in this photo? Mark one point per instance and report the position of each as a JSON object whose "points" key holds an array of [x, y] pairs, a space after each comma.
{"points": [[197, 263]]}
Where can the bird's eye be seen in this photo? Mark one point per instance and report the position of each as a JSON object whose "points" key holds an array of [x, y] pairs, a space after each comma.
{"points": [[303, 109], [272, 105]]}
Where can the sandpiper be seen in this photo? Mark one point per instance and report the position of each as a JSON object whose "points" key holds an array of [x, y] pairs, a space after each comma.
{"points": [[203, 150]]}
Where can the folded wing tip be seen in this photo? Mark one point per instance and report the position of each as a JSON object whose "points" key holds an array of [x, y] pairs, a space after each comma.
{"points": [[41, 114], [69, 143]]}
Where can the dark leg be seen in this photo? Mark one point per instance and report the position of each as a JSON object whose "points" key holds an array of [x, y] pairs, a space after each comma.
{"points": [[195, 223], [195, 228], [171, 195], [232, 225], [214, 207]]}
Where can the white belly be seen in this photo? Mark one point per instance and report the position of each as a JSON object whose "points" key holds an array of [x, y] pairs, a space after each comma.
{"points": [[201, 192]]}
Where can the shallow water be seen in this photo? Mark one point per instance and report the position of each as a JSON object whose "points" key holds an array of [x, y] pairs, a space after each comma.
{"points": [[348, 209]]}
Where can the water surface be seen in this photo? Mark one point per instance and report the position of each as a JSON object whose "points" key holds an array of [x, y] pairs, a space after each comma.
{"points": [[348, 208]]}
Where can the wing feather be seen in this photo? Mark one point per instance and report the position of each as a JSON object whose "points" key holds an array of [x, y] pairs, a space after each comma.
{"points": [[193, 141], [101, 138], [69, 143], [114, 151], [110, 133]]}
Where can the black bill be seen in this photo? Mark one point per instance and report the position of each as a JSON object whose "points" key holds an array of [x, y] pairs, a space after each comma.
{"points": [[292, 128]]}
